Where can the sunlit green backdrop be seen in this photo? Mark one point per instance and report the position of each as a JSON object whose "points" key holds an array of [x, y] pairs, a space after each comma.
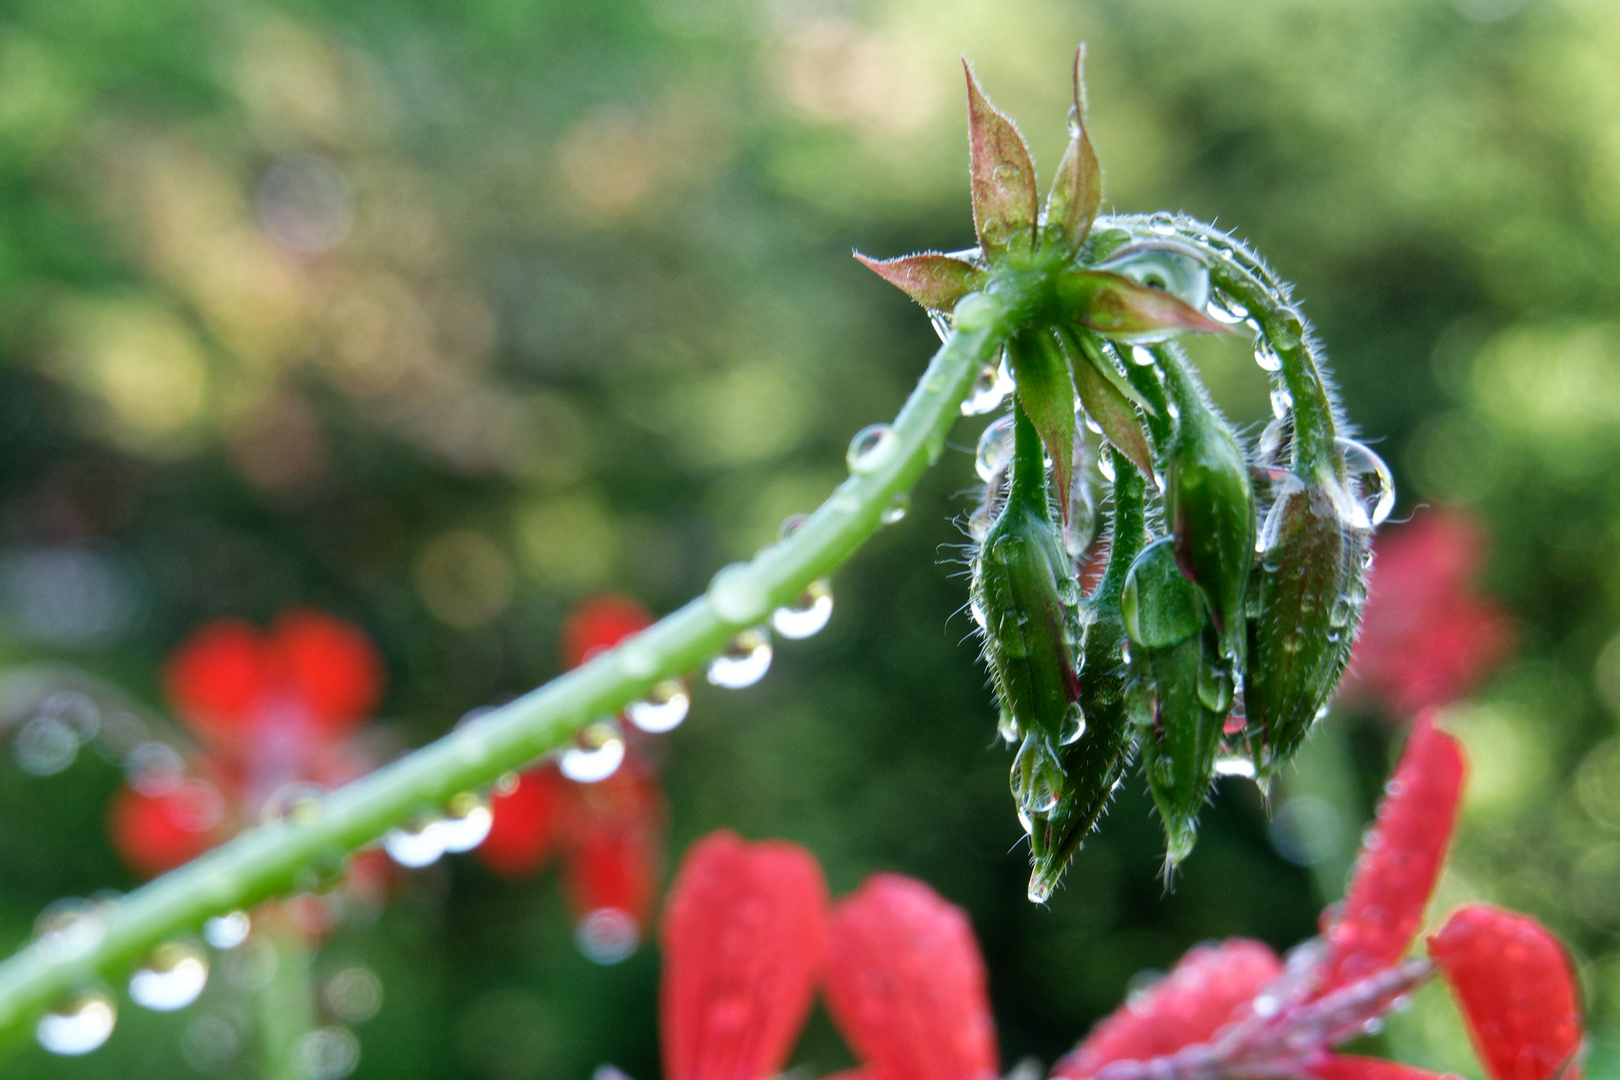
{"points": [[443, 315]]}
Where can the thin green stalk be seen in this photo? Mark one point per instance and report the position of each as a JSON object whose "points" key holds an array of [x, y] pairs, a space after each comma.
{"points": [[280, 857], [286, 1003]]}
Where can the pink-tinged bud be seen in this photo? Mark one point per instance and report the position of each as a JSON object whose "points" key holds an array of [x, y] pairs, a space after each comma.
{"points": [[1517, 991], [1210, 987], [1108, 399], [1002, 176], [935, 281], [743, 934], [1077, 188], [905, 984], [1400, 861]]}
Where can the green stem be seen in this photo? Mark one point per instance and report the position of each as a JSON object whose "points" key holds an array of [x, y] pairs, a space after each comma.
{"points": [[274, 858], [1029, 487], [286, 1003]]}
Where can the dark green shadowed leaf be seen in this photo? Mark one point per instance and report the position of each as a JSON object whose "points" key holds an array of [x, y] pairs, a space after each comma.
{"points": [[1104, 397], [1046, 392]]}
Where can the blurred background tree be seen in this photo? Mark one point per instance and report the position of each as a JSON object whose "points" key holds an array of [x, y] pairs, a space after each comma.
{"points": [[439, 317]]}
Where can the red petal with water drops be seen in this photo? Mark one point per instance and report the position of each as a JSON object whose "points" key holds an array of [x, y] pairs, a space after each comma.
{"points": [[742, 940], [598, 623], [1352, 1067], [1211, 986], [524, 824], [329, 667], [1400, 861], [218, 677], [905, 984], [1517, 990], [153, 833]]}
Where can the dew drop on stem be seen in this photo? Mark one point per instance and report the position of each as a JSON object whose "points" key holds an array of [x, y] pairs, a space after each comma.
{"points": [[663, 709], [807, 614], [415, 845], [172, 977], [227, 931], [990, 389], [871, 448], [1371, 497], [466, 823], [744, 661], [995, 449], [597, 754], [897, 509], [1266, 357], [78, 1025]]}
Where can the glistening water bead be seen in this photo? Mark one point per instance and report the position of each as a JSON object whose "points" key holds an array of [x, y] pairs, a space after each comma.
{"points": [[607, 936], [415, 845], [806, 615], [227, 931], [663, 709], [1375, 487], [79, 1025], [744, 661], [995, 448], [172, 977], [871, 448], [990, 389], [466, 823], [597, 755]]}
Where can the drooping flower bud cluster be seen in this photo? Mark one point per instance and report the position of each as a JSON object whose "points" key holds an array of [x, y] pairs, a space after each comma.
{"points": [[1233, 575]]}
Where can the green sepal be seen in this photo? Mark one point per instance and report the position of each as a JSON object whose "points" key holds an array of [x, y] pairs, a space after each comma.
{"points": [[1108, 399], [1306, 596], [1117, 307], [1076, 194], [1180, 737], [1046, 392], [935, 281], [1001, 175], [1158, 606]]}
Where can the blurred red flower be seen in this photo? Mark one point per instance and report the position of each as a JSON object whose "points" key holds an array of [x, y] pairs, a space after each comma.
{"points": [[272, 709], [1427, 637], [748, 937], [608, 834]]}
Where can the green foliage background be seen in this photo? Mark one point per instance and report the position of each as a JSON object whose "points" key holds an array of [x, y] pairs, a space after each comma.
{"points": [[595, 325]]}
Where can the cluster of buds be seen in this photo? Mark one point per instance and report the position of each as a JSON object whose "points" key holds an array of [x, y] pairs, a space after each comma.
{"points": [[1232, 575]]}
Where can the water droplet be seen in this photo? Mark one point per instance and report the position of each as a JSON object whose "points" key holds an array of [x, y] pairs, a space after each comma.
{"points": [[790, 525], [415, 845], [1372, 490], [79, 1025], [1040, 887], [467, 822], [806, 615], [872, 448], [1142, 356], [738, 595], [975, 311], [294, 804], [597, 755], [1074, 725], [976, 609], [607, 936], [45, 746], [1373, 1026], [995, 448], [328, 1053], [1282, 402], [1266, 1006], [990, 389], [354, 995], [1008, 173], [1166, 265], [227, 931], [70, 928], [663, 709], [1105, 465], [941, 322], [1267, 357], [171, 978], [1235, 765], [1037, 776], [897, 509], [744, 661], [1224, 309], [508, 783]]}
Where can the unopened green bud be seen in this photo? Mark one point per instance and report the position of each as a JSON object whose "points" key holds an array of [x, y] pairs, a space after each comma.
{"points": [[1025, 587], [1211, 510], [1305, 604]]}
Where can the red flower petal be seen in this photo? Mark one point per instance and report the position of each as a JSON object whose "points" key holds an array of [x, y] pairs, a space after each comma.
{"points": [[600, 623], [1517, 990], [905, 983], [1400, 861], [523, 824], [1352, 1067], [742, 939], [217, 677], [158, 832], [615, 832], [1210, 987], [329, 666]]}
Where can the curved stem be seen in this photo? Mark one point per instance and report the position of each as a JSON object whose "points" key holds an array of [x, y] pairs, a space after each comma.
{"points": [[277, 857]]}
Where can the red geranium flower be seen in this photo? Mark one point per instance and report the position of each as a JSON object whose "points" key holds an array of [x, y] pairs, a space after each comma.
{"points": [[271, 709], [1427, 637], [747, 937], [607, 833]]}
